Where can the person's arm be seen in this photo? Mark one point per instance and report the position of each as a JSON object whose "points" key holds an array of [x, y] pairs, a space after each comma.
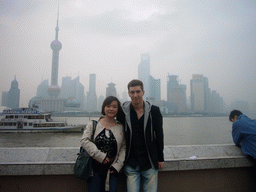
{"points": [[89, 146], [160, 165], [237, 133], [159, 136]]}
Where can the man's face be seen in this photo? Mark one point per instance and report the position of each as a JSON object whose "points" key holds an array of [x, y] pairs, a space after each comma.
{"points": [[234, 119], [136, 95]]}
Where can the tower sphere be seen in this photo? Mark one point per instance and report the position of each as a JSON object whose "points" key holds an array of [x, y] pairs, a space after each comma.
{"points": [[54, 90], [56, 45]]}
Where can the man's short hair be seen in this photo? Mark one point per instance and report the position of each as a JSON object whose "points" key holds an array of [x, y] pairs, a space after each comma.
{"points": [[135, 82], [233, 113]]}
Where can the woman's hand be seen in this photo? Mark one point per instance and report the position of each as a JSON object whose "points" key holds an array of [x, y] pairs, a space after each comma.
{"points": [[106, 161]]}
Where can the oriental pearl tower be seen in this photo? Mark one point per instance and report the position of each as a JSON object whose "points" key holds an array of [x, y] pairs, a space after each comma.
{"points": [[54, 89]]}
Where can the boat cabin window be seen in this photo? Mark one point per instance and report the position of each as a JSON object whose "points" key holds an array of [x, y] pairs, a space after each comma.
{"points": [[35, 117], [49, 124], [40, 117], [8, 124], [30, 124], [13, 116], [25, 124]]}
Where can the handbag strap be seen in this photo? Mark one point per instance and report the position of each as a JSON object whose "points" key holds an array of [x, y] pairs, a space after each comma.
{"points": [[94, 124]]}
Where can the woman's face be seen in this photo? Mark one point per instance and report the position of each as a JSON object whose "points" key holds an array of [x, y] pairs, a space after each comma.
{"points": [[111, 109]]}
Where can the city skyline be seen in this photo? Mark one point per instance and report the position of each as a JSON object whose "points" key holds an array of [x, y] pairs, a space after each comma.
{"points": [[120, 94], [72, 97], [216, 39]]}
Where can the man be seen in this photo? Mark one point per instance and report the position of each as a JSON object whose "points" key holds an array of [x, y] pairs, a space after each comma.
{"points": [[244, 132], [144, 136]]}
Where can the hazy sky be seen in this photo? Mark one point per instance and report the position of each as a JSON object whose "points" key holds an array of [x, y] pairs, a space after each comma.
{"points": [[216, 38]]}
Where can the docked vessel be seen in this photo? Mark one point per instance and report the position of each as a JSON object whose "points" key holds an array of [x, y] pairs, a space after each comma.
{"points": [[33, 120]]}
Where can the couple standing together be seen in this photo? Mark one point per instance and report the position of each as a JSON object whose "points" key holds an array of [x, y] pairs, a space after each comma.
{"points": [[129, 135]]}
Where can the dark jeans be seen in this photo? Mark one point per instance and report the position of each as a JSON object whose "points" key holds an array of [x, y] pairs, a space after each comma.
{"points": [[97, 182]]}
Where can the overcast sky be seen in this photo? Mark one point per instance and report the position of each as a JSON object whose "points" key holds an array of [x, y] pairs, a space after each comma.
{"points": [[216, 38]]}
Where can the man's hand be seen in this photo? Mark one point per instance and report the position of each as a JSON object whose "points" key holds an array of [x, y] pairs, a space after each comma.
{"points": [[160, 165], [112, 170]]}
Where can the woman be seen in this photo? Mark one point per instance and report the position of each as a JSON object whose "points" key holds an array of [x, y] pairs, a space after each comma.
{"points": [[107, 148]]}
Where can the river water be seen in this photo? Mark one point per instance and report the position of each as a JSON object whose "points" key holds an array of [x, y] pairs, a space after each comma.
{"points": [[177, 131]]}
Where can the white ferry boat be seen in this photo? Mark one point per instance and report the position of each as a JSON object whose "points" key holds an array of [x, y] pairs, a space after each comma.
{"points": [[33, 120]]}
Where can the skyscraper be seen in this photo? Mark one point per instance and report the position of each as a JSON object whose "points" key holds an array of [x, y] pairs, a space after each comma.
{"points": [[172, 82], [154, 89], [79, 93], [217, 102], [200, 94], [14, 95], [144, 73], [56, 46], [91, 96], [67, 88], [4, 98], [100, 102], [111, 90], [74, 89], [208, 96], [42, 89], [176, 95]]}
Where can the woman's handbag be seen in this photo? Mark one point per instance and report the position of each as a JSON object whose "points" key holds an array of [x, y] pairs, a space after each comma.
{"points": [[83, 165]]}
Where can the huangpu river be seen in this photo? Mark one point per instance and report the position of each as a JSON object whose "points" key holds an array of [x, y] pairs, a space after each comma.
{"points": [[177, 131]]}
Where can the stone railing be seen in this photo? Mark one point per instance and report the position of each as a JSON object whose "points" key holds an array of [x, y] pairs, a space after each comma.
{"points": [[184, 165]]}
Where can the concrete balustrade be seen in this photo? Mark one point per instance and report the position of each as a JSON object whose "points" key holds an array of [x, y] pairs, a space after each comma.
{"points": [[187, 168]]}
